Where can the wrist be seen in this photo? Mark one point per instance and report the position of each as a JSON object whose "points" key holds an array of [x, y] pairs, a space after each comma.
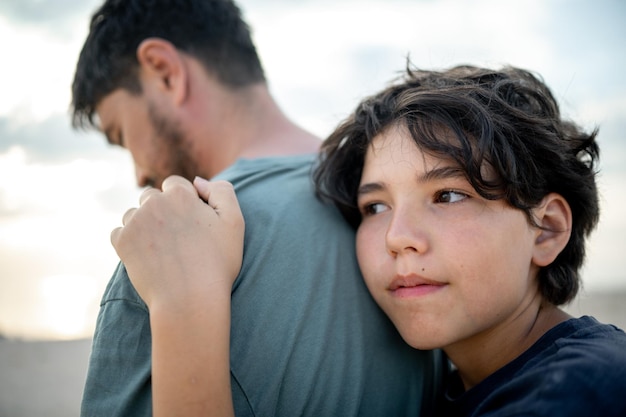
{"points": [[190, 300]]}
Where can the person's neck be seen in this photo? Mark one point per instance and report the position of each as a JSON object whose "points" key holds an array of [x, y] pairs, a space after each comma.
{"points": [[270, 133], [481, 355], [249, 124]]}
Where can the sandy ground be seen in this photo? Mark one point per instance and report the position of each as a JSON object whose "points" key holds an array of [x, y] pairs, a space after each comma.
{"points": [[42, 378], [46, 378]]}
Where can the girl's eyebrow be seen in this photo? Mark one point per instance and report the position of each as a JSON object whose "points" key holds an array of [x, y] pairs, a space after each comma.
{"points": [[441, 173], [369, 187]]}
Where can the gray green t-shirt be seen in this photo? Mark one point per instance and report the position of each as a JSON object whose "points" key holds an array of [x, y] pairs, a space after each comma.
{"points": [[306, 339]]}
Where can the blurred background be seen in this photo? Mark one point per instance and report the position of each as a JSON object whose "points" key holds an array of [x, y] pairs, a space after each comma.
{"points": [[62, 191]]}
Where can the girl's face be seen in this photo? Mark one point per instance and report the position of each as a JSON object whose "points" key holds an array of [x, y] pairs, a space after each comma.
{"points": [[446, 265]]}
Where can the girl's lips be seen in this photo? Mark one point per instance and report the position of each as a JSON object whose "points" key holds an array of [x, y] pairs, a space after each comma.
{"points": [[414, 286]]}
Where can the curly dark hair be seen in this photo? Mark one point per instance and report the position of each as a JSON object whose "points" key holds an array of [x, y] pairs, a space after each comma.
{"points": [[210, 30], [506, 119]]}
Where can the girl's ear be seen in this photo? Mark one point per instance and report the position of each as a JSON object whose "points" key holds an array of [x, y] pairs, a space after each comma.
{"points": [[554, 218], [162, 64]]}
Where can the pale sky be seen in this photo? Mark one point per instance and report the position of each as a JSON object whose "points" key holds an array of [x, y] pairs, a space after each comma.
{"points": [[61, 191]]}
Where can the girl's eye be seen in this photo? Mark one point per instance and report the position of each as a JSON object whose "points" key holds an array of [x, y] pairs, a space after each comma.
{"points": [[450, 196], [373, 208]]}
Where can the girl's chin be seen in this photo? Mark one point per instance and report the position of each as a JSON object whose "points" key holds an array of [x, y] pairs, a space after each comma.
{"points": [[420, 339]]}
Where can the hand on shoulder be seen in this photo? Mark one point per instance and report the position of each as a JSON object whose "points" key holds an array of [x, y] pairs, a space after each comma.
{"points": [[182, 241]]}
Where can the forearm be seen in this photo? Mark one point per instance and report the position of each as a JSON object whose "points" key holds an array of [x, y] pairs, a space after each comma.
{"points": [[190, 356], [182, 254]]}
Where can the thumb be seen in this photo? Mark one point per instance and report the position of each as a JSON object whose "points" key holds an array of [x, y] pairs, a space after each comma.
{"points": [[218, 194]]}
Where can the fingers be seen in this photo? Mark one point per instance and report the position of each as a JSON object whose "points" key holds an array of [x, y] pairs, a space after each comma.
{"points": [[175, 198], [203, 187], [147, 194], [168, 184], [174, 181], [115, 237], [128, 215], [218, 194], [116, 233]]}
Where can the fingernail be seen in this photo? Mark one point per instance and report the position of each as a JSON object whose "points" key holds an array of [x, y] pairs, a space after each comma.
{"points": [[199, 180]]}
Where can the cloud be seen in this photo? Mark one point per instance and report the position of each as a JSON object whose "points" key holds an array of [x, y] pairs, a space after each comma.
{"points": [[52, 140], [49, 168], [57, 17]]}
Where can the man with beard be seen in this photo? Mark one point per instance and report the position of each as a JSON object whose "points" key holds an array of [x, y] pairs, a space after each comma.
{"points": [[179, 84]]}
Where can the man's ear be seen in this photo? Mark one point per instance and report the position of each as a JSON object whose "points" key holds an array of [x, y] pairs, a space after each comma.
{"points": [[161, 62], [554, 217]]}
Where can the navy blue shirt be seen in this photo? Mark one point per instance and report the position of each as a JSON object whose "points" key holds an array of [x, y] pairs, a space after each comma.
{"points": [[578, 368]]}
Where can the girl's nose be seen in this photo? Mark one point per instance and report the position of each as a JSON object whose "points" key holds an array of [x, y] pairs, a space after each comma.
{"points": [[406, 234]]}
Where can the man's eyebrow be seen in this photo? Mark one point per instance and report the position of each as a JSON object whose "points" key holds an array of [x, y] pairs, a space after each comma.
{"points": [[442, 173]]}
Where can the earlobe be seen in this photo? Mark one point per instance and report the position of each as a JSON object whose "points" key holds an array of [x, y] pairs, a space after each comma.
{"points": [[161, 62], [554, 217]]}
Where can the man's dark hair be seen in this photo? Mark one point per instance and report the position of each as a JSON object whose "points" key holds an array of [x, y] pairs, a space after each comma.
{"points": [[212, 31], [507, 120]]}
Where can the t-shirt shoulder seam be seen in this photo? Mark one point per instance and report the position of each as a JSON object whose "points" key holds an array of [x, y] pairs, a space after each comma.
{"points": [[123, 299]]}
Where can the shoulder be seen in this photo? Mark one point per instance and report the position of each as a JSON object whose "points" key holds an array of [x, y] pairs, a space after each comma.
{"points": [[280, 191], [579, 373], [247, 174], [577, 369], [587, 341], [120, 289], [580, 347]]}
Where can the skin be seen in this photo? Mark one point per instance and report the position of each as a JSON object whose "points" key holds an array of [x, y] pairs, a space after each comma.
{"points": [[439, 259], [185, 123], [480, 302], [189, 303], [130, 121], [450, 268]]}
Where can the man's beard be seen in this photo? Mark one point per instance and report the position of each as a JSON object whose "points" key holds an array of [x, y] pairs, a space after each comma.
{"points": [[172, 145]]}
